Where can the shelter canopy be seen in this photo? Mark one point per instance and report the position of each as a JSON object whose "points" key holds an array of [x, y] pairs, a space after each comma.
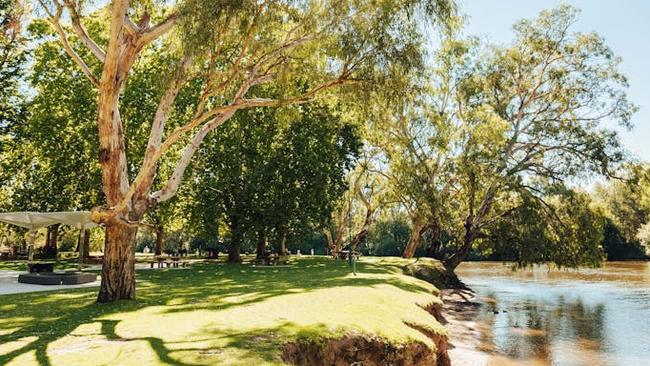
{"points": [[36, 220]]}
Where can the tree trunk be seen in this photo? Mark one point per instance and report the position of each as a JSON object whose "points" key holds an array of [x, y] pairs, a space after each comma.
{"points": [[85, 248], [234, 255], [433, 250], [118, 269], [414, 240], [282, 241], [330, 241], [261, 243], [159, 240], [359, 238], [468, 240], [51, 241]]}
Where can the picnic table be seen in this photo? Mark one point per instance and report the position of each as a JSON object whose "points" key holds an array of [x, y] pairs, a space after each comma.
{"points": [[171, 261], [269, 258]]}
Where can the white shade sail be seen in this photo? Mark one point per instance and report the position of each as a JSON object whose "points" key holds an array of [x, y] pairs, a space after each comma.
{"points": [[35, 220]]}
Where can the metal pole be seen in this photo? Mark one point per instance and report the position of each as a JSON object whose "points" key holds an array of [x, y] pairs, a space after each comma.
{"points": [[350, 259]]}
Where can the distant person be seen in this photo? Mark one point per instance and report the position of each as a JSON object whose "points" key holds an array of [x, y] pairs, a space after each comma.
{"points": [[298, 253], [312, 251]]}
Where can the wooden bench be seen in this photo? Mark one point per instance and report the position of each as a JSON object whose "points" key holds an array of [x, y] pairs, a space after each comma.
{"points": [[168, 261]]}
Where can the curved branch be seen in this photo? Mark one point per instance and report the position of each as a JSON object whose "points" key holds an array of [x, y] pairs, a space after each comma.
{"points": [[55, 20], [81, 31], [153, 33]]}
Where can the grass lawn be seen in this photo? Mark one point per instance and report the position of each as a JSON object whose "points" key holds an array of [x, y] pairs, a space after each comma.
{"points": [[216, 314], [21, 265]]}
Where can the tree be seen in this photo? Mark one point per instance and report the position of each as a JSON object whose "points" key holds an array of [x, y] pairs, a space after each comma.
{"points": [[358, 208], [505, 124], [388, 237], [12, 56], [252, 194], [625, 202], [567, 232], [227, 49]]}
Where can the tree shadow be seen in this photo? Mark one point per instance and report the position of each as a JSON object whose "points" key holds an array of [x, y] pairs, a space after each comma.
{"points": [[54, 315]]}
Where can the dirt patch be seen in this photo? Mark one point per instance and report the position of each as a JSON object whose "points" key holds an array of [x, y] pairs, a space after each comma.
{"points": [[435, 309], [363, 350]]}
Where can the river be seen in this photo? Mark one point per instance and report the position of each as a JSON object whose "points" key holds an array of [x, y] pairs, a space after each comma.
{"points": [[539, 316]]}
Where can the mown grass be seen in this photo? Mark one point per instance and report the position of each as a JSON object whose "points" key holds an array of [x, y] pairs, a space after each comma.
{"points": [[59, 265], [216, 314]]}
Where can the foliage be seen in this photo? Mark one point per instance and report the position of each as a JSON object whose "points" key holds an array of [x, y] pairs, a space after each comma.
{"points": [[502, 124], [12, 57], [627, 200], [306, 241], [387, 238], [617, 247], [265, 174], [562, 229]]}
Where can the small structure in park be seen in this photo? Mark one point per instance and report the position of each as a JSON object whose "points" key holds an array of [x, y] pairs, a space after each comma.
{"points": [[42, 273]]}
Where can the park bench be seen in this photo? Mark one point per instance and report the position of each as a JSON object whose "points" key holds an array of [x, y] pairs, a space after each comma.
{"points": [[272, 259], [168, 261]]}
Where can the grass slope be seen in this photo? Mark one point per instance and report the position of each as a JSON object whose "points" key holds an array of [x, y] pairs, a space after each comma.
{"points": [[216, 314]]}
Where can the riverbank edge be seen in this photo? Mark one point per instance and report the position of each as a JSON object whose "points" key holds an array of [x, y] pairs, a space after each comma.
{"points": [[458, 313]]}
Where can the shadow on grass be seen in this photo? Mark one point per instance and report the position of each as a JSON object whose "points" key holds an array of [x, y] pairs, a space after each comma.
{"points": [[54, 315]]}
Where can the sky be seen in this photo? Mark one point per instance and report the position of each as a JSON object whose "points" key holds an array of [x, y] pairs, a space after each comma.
{"points": [[624, 24]]}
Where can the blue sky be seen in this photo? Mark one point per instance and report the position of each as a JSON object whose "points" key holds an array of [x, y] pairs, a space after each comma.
{"points": [[625, 25]]}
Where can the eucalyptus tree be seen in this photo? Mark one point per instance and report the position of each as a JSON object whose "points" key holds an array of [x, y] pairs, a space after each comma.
{"points": [[532, 112], [12, 56], [502, 122], [226, 48], [561, 227], [358, 208]]}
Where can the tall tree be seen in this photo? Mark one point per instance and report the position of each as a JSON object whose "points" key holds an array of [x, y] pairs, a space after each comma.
{"points": [[284, 177], [12, 56], [500, 124], [227, 48], [358, 209]]}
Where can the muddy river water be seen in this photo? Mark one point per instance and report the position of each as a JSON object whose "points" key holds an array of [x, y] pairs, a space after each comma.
{"points": [[562, 317]]}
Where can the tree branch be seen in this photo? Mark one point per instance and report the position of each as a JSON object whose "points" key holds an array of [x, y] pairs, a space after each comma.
{"points": [[55, 20], [153, 33], [81, 31]]}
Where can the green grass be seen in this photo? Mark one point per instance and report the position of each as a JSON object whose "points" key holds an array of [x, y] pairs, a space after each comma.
{"points": [[21, 265], [216, 314]]}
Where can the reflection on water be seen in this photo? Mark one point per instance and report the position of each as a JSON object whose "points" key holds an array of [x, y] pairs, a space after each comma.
{"points": [[564, 317]]}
